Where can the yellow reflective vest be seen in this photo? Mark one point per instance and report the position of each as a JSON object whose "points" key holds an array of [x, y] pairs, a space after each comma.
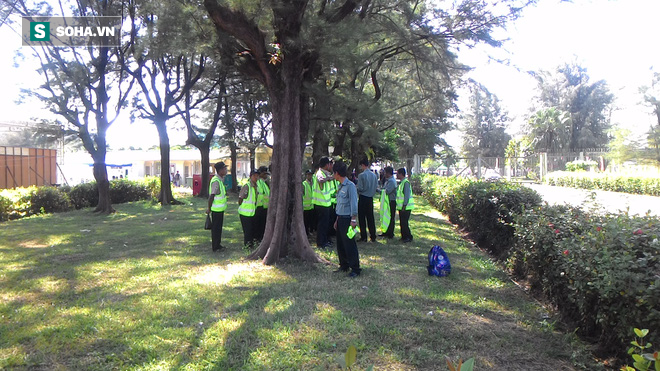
{"points": [[263, 194], [249, 205], [320, 194], [307, 196], [219, 200], [384, 211], [400, 197]]}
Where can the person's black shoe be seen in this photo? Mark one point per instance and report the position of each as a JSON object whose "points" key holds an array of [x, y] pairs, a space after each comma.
{"points": [[220, 248], [339, 270], [373, 239], [381, 235], [354, 274], [407, 240], [362, 240]]}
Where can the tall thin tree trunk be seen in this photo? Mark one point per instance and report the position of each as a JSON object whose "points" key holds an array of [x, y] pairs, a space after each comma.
{"points": [[206, 165], [166, 197]]}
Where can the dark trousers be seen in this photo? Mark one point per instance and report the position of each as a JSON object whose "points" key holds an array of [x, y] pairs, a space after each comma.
{"points": [[260, 222], [404, 217], [366, 217], [323, 219], [331, 221], [390, 230], [248, 223], [347, 250], [308, 217], [216, 230]]}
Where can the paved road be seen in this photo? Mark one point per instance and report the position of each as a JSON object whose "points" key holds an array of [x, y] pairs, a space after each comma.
{"points": [[610, 201]]}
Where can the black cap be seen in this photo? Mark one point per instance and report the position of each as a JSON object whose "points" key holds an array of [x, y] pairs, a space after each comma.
{"points": [[308, 171], [254, 172], [220, 165], [263, 169]]}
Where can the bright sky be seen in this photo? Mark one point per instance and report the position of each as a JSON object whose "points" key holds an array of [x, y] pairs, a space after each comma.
{"points": [[616, 40]]}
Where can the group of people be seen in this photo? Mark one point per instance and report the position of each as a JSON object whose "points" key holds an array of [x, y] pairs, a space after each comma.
{"points": [[332, 205], [253, 203]]}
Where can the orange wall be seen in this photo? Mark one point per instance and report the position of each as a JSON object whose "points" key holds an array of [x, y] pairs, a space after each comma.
{"points": [[24, 167]]}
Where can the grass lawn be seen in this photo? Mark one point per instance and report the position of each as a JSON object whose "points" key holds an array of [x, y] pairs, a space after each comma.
{"points": [[141, 290]]}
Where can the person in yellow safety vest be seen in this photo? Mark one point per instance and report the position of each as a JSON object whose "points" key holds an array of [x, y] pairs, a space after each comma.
{"points": [[263, 198], [405, 204], [308, 206], [321, 201], [388, 203], [334, 185], [217, 205], [247, 208]]}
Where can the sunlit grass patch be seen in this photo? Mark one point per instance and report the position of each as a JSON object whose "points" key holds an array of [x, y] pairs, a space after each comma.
{"points": [[141, 290]]}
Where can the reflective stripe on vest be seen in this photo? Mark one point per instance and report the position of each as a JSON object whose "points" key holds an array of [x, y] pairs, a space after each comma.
{"points": [[307, 196], [263, 194], [400, 196], [319, 196], [219, 200], [249, 205], [334, 187], [384, 211]]}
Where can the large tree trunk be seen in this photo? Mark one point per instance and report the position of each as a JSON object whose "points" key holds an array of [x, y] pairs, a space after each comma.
{"points": [[320, 143], [285, 229], [97, 148], [101, 175]]}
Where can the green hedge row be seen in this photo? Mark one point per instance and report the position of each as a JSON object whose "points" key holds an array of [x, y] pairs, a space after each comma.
{"points": [[601, 271], [484, 209], [583, 180], [22, 202]]}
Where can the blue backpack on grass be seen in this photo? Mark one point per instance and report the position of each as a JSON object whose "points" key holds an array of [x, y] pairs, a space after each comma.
{"points": [[438, 262]]}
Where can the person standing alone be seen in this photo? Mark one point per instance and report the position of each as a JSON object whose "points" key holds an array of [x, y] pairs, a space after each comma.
{"points": [[217, 205], [346, 209], [366, 188], [405, 204]]}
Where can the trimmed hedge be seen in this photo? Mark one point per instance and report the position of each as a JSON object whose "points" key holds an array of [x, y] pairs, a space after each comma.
{"points": [[601, 271], [484, 209], [22, 202], [583, 180]]}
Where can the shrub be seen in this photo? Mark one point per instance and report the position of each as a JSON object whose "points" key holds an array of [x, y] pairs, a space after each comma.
{"points": [[487, 211], [581, 165], [443, 194], [634, 185], [152, 184], [121, 191], [84, 195], [5, 208], [49, 200], [19, 202], [483, 209], [124, 190], [599, 270]]}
